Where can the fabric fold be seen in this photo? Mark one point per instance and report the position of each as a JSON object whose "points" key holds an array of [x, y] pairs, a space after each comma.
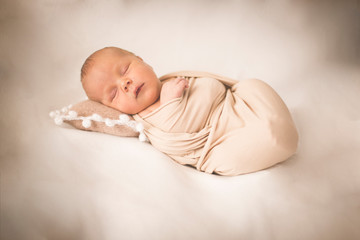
{"points": [[223, 126]]}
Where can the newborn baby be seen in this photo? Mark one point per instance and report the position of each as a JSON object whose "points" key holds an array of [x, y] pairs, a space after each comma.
{"points": [[210, 122]]}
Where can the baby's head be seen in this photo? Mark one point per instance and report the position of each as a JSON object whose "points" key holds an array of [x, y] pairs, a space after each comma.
{"points": [[120, 79]]}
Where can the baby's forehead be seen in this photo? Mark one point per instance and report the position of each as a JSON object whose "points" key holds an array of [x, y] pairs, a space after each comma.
{"points": [[108, 58], [99, 57], [108, 52], [102, 68], [102, 62]]}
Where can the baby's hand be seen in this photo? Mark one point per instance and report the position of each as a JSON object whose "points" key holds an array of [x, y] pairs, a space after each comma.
{"points": [[173, 89]]}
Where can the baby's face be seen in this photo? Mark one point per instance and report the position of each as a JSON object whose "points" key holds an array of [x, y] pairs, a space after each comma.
{"points": [[122, 81]]}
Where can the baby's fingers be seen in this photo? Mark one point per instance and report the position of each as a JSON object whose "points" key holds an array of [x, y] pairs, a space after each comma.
{"points": [[182, 81], [186, 81]]}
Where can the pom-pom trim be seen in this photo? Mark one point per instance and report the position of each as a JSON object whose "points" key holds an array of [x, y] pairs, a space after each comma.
{"points": [[67, 114]]}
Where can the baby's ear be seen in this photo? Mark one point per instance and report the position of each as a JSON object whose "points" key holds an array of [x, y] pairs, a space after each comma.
{"points": [[140, 58]]}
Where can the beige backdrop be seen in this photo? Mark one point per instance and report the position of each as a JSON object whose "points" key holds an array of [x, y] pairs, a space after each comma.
{"points": [[62, 183]]}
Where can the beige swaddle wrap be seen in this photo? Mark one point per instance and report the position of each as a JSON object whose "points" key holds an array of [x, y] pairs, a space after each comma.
{"points": [[223, 126]]}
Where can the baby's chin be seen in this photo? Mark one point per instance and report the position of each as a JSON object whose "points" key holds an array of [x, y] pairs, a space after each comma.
{"points": [[129, 111]]}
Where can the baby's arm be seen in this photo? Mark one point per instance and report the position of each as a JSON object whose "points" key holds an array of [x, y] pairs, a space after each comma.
{"points": [[173, 89]]}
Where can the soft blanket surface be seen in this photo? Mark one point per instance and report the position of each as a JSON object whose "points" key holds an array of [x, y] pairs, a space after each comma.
{"points": [[63, 183]]}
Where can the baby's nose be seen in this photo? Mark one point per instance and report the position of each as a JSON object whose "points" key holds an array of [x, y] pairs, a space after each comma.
{"points": [[125, 84]]}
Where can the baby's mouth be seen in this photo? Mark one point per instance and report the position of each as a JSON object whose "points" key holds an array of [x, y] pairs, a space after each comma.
{"points": [[138, 89]]}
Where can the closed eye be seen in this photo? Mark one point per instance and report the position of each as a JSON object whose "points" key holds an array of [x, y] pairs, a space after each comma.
{"points": [[113, 94], [125, 69]]}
